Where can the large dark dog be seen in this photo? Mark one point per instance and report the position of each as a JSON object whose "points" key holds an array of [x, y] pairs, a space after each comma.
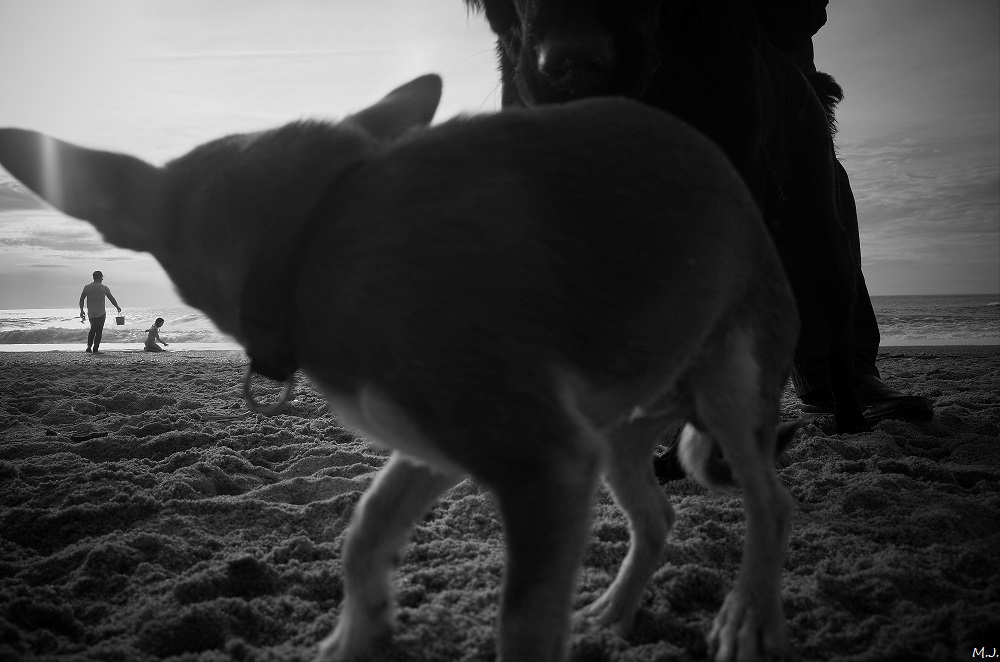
{"points": [[709, 63]]}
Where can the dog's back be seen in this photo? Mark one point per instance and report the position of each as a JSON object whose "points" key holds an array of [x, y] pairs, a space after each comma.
{"points": [[557, 247]]}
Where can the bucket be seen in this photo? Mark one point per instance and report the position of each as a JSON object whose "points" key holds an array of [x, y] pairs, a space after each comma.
{"points": [[120, 320]]}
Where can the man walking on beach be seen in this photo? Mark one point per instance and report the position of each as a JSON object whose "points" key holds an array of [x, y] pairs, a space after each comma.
{"points": [[94, 293]]}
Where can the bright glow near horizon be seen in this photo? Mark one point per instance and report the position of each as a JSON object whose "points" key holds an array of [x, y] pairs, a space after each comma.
{"points": [[154, 78]]}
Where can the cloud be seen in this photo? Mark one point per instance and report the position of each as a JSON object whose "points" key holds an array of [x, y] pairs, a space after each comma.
{"points": [[15, 196], [46, 257], [49, 235], [918, 136], [928, 208]]}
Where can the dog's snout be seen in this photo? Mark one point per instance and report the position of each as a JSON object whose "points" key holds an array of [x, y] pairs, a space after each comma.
{"points": [[570, 62]]}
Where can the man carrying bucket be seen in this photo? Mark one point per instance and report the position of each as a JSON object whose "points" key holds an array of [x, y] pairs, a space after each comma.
{"points": [[94, 293]]}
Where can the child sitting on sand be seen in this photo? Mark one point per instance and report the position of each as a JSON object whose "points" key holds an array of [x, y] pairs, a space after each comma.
{"points": [[153, 337]]}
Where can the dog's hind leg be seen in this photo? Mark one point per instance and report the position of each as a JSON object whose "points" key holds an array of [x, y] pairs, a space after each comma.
{"points": [[379, 529], [546, 512], [633, 483], [736, 400]]}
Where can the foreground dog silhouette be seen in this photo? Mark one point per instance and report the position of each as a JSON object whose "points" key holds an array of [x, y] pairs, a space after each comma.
{"points": [[529, 298]]}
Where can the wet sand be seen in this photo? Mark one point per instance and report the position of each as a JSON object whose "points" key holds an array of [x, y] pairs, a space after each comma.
{"points": [[146, 514]]}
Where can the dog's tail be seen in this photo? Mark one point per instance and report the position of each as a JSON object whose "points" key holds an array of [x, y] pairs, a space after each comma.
{"points": [[702, 459], [830, 93]]}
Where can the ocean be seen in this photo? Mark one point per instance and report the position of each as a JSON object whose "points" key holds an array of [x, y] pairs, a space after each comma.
{"points": [[903, 320], [958, 319], [60, 329]]}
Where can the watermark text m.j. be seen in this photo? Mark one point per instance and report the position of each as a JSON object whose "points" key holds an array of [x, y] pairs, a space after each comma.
{"points": [[985, 652]]}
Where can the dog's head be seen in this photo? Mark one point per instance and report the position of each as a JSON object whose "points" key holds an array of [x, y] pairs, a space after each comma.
{"points": [[208, 215], [558, 50]]}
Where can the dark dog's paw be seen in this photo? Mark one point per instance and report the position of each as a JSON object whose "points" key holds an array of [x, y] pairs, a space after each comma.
{"points": [[852, 423]]}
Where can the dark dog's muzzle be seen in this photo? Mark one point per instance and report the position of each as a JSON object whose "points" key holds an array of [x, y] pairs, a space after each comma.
{"points": [[577, 63]]}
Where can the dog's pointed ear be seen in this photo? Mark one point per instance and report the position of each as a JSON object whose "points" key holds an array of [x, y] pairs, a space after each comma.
{"points": [[408, 106], [116, 193]]}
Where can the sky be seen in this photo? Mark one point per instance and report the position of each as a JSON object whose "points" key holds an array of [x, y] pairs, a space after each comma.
{"points": [[918, 133]]}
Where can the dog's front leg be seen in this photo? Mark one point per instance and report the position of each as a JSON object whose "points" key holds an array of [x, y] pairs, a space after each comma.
{"points": [[547, 521], [751, 623], [735, 393], [379, 529], [633, 484]]}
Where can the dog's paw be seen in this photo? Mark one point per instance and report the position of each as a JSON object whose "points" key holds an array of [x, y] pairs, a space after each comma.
{"points": [[747, 630], [355, 638], [609, 612]]}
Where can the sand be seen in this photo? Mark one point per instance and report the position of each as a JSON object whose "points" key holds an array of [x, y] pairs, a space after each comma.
{"points": [[145, 514]]}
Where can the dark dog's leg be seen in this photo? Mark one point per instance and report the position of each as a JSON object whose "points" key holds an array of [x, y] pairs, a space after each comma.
{"points": [[633, 484], [843, 288], [546, 513], [821, 269], [666, 466], [824, 291], [840, 292], [379, 529], [866, 332]]}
